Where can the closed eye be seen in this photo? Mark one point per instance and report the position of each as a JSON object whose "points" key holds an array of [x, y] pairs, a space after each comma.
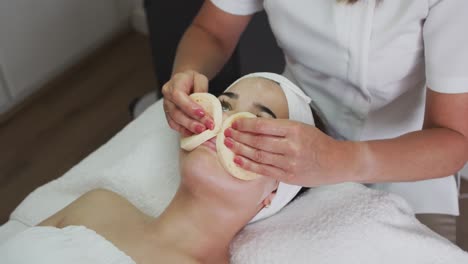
{"points": [[264, 109], [225, 106]]}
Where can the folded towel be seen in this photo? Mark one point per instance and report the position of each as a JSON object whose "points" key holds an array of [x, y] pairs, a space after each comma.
{"points": [[345, 223]]}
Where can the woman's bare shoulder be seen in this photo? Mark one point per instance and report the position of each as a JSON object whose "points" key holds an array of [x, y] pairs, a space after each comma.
{"points": [[100, 197], [92, 207]]}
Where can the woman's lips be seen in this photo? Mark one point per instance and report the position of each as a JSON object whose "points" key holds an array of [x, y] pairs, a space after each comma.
{"points": [[211, 144]]}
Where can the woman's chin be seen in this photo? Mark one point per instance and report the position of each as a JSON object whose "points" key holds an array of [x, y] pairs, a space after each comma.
{"points": [[205, 147], [199, 162], [203, 175]]}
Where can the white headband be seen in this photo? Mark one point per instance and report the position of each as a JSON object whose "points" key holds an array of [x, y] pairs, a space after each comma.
{"points": [[299, 110]]}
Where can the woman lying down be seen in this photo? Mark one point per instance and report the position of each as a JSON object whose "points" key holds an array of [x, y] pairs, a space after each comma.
{"points": [[214, 201]]}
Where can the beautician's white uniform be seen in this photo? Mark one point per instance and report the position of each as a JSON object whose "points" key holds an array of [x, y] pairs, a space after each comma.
{"points": [[366, 67]]}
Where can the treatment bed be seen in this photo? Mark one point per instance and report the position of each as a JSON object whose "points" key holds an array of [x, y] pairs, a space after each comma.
{"points": [[344, 223]]}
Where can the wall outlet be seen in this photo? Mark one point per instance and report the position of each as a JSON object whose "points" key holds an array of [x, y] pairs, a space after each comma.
{"points": [[4, 84], [5, 95], [139, 22], [2, 76]]}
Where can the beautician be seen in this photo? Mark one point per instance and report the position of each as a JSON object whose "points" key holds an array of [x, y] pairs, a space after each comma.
{"points": [[388, 78]]}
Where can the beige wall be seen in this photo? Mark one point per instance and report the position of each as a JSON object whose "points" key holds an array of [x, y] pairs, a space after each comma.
{"points": [[40, 39]]}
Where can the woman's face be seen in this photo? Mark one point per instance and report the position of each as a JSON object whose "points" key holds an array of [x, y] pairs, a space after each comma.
{"points": [[203, 174]]}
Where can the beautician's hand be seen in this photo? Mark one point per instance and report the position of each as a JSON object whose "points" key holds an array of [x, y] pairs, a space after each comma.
{"points": [[183, 114], [290, 151]]}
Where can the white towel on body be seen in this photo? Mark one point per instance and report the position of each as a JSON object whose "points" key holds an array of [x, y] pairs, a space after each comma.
{"points": [[345, 223], [70, 245]]}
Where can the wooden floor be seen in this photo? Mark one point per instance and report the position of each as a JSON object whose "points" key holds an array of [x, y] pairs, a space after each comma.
{"points": [[77, 114]]}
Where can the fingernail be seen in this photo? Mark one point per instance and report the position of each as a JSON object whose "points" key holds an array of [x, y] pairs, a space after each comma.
{"points": [[234, 125], [200, 113], [228, 142], [209, 125], [199, 129], [188, 133], [238, 161], [228, 132]]}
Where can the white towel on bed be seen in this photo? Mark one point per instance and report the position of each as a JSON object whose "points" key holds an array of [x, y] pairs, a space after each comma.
{"points": [[345, 223], [70, 245]]}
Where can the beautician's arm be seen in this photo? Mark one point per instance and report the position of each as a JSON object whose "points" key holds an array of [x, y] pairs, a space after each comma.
{"points": [[301, 154], [209, 41], [440, 149], [204, 49]]}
